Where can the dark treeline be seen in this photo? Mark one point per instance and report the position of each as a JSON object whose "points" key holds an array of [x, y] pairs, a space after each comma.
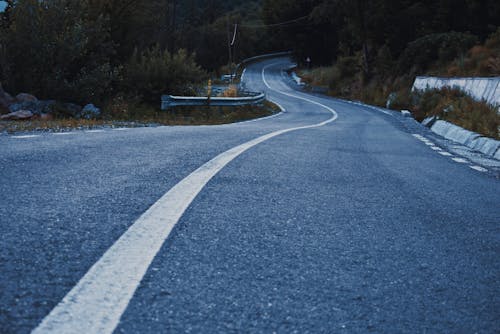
{"points": [[91, 50], [336, 28], [83, 50]]}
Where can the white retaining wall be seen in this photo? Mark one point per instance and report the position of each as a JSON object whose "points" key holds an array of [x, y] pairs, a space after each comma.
{"points": [[480, 88]]}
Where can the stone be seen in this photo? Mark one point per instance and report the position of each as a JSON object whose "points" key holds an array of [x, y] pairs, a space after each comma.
{"points": [[90, 112], [25, 97], [37, 107], [406, 113], [17, 115]]}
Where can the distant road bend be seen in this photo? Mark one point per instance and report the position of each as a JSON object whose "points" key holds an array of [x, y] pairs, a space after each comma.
{"points": [[329, 217]]}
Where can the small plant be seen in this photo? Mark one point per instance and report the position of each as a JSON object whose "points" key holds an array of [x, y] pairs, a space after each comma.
{"points": [[231, 91]]}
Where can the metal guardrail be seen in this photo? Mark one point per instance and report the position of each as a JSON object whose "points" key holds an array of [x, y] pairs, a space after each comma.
{"points": [[169, 101]]}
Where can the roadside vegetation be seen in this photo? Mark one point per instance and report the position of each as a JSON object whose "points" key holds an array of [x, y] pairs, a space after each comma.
{"points": [[107, 53], [446, 55], [126, 115], [66, 54]]}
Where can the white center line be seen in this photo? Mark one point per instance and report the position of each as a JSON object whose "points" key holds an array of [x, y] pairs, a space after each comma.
{"points": [[435, 148], [459, 160], [97, 302], [120, 129], [94, 131]]}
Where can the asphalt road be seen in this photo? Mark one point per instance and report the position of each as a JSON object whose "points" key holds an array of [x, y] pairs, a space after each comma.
{"points": [[356, 225]]}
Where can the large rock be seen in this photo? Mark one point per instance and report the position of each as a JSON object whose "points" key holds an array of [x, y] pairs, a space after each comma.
{"points": [[17, 115], [90, 112], [37, 107], [24, 97]]}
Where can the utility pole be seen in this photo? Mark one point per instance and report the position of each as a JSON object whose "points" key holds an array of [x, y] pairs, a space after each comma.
{"points": [[230, 54], [230, 45]]}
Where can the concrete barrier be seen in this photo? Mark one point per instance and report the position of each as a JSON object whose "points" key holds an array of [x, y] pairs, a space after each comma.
{"points": [[475, 141], [487, 89], [454, 133], [497, 155], [485, 145]]}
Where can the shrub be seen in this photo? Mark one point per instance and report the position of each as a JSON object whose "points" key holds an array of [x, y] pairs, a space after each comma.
{"points": [[481, 60], [457, 107], [154, 72], [231, 91], [434, 49]]}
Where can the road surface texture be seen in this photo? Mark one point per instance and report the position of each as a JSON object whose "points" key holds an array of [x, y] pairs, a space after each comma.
{"points": [[344, 219]]}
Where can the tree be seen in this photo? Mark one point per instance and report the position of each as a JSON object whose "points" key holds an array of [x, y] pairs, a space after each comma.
{"points": [[59, 49]]}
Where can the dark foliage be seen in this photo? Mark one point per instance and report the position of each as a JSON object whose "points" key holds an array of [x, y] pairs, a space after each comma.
{"points": [[93, 50]]}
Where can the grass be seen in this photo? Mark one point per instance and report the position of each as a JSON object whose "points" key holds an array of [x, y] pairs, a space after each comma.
{"points": [[124, 114], [457, 107]]}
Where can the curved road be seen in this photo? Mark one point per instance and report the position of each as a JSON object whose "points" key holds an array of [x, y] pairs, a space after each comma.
{"points": [[330, 217]]}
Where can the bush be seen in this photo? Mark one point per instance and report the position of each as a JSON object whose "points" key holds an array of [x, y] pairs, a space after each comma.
{"points": [[434, 50], [481, 60], [154, 72], [459, 108]]}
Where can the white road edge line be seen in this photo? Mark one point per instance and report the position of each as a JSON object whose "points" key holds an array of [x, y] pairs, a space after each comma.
{"points": [[25, 136], [446, 154], [99, 299], [479, 168], [459, 160], [64, 133], [94, 131]]}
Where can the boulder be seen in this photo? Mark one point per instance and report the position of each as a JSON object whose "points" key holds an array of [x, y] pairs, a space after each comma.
{"points": [[25, 97], [37, 107], [17, 115], [90, 112]]}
